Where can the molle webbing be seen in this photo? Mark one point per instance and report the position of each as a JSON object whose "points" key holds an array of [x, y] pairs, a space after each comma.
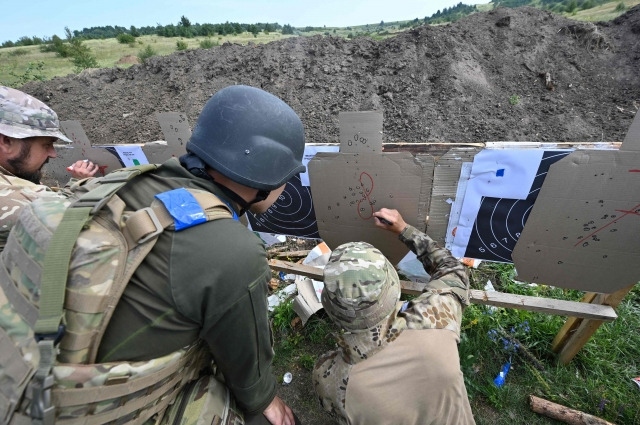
{"points": [[69, 262]]}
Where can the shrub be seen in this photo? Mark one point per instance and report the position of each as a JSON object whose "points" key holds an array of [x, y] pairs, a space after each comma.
{"points": [[18, 52], [146, 53], [124, 38], [62, 50], [621, 7], [84, 59], [207, 43], [181, 45], [514, 99], [33, 72]]}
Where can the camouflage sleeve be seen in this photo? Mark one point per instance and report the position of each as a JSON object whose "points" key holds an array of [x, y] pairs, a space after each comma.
{"points": [[330, 378], [15, 193], [445, 270]]}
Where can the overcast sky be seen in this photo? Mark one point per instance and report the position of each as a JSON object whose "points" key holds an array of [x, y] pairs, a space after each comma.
{"points": [[46, 18]]}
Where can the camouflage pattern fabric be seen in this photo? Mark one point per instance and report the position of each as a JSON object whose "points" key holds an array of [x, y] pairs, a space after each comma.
{"points": [[201, 402], [15, 193], [118, 392], [361, 286], [439, 307], [23, 116]]}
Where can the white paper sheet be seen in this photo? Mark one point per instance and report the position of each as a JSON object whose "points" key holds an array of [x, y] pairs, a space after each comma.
{"points": [[498, 174]]}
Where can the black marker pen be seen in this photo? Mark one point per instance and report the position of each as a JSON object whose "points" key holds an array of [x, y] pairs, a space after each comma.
{"points": [[385, 221]]}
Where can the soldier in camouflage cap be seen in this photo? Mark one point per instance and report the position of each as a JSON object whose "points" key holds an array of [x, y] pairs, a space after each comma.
{"points": [[397, 362], [361, 286], [28, 129], [23, 116]]}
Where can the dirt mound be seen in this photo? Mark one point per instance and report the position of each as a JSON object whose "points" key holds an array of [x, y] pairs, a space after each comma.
{"points": [[129, 59], [480, 79]]}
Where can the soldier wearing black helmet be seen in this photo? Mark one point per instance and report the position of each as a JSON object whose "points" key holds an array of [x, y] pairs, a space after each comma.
{"points": [[210, 281]]}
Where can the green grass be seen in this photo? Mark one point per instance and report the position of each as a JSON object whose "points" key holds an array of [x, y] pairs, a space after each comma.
{"points": [[604, 12], [597, 381]]}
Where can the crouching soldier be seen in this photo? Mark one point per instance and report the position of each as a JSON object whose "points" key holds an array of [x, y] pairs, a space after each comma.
{"points": [[397, 362]]}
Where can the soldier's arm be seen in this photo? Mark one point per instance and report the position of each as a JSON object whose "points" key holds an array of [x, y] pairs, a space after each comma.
{"points": [[444, 269]]}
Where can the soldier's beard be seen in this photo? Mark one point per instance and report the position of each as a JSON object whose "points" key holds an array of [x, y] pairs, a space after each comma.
{"points": [[18, 164]]}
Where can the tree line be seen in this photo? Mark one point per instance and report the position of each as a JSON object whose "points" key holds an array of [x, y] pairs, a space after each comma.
{"points": [[184, 28]]}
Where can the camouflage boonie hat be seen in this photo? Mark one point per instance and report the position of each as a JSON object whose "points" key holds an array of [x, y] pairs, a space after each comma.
{"points": [[23, 116], [361, 287]]}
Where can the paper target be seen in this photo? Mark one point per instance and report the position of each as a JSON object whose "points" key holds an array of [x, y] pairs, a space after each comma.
{"points": [[500, 221], [292, 214]]}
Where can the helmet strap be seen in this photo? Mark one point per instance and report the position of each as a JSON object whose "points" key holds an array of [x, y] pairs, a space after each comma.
{"points": [[197, 167]]}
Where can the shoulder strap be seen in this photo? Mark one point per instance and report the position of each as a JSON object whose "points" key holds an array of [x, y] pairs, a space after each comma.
{"points": [[48, 329], [141, 231]]}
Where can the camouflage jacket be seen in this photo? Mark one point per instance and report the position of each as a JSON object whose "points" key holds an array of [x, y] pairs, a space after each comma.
{"points": [[14, 194], [439, 307]]}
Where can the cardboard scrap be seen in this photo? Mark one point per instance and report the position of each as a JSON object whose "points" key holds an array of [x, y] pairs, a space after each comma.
{"points": [[445, 183], [347, 188], [360, 132], [177, 133], [583, 230]]}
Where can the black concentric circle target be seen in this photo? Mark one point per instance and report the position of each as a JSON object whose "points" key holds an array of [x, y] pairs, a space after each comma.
{"points": [[500, 221], [292, 214]]}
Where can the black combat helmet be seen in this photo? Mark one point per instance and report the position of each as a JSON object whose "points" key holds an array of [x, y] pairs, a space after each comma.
{"points": [[250, 136]]}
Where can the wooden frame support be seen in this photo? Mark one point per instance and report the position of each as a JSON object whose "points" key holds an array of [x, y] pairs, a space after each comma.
{"points": [[577, 330], [594, 312]]}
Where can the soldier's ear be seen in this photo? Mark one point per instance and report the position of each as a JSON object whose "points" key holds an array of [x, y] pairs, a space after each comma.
{"points": [[9, 146], [5, 143]]}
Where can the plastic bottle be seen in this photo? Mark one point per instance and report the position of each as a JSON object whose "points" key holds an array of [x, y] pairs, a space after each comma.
{"points": [[499, 381]]}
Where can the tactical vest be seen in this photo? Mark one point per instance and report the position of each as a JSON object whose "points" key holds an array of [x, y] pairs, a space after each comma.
{"points": [[62, 272]]}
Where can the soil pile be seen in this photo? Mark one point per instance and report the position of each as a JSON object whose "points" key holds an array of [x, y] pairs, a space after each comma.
{"points": [[481, 79]]}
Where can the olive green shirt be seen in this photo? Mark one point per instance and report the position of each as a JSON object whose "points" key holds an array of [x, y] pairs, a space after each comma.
{"points": [[209, 281]]}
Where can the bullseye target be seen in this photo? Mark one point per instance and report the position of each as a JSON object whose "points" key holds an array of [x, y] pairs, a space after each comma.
{"points": [[292, 214], [500, 221]]}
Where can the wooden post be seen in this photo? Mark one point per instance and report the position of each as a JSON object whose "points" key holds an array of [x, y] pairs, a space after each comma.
{"points": [[576, 331], [582, 310]]}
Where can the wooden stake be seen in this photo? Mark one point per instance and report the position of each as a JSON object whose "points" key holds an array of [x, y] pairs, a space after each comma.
{"points": [[564, 414]]}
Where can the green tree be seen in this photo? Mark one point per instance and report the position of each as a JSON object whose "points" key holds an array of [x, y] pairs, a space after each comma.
{"points": [[572, 6], [184, 22], [287, 29], [80, 54], [134, 31], [63, 50]]}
